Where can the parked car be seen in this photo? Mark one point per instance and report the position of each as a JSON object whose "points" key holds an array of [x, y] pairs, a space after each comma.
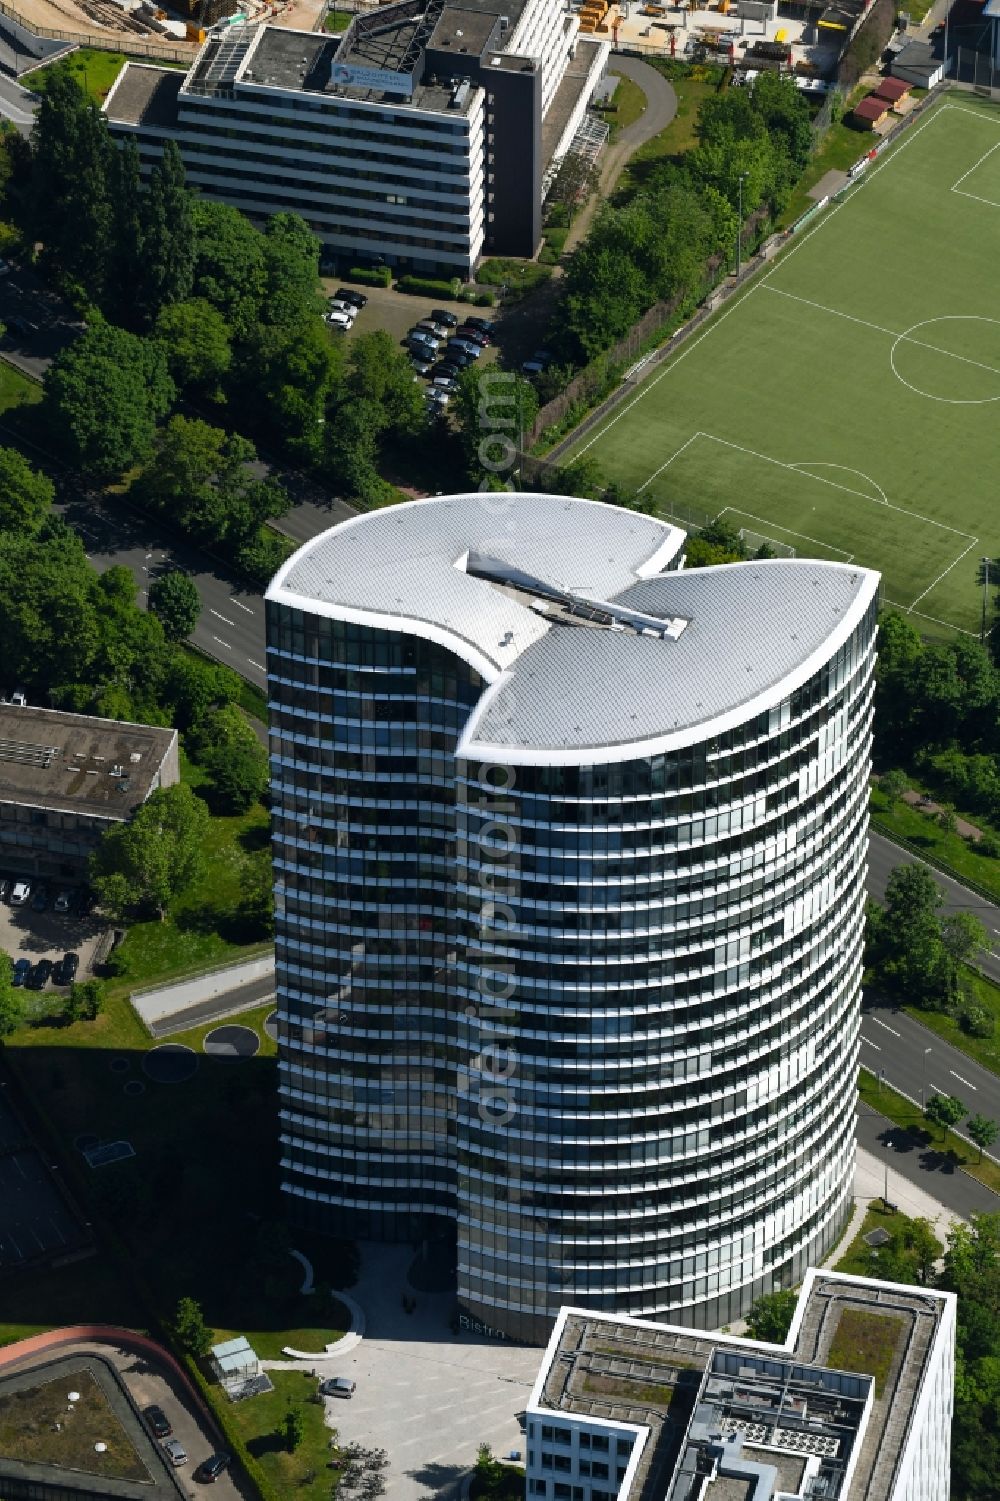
{"points": [[482, 323], [39, 977], [175, 1451], [211, 1468], [466, 346], [418, 340], [65, 971], [22, 969], [475, 334], [458, 358], [340, 305], [439, 315], [65, 901], [540, 360], [344, 294], [40, 900], [339, 320], [338, 1386], [20, 893], [445, 382], [422, 367], [437, 399], [436, 330], [159, 1424], [4, 889]]}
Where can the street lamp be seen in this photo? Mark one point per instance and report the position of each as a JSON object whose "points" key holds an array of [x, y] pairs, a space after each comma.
{"points": [[739, 225], [923, 1077]]}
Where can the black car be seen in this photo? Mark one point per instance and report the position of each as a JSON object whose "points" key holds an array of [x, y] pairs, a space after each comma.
{"points": [[457, 358], [483, 324], [40, 900], [22, 969], [357, 299], [159, 1423], [211, 1468], [39, 977], [65, 971], [438, 315]]}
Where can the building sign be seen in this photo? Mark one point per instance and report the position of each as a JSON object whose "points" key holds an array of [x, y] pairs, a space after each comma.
{"points": [[346, 75]]}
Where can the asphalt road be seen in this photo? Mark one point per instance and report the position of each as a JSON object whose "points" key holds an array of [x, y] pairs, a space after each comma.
{"points": [[924, 1165], [16, 104], [883, 856]]}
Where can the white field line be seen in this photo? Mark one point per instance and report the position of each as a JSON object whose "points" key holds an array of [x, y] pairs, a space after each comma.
{"points": [[847, 489], [808, 465], [901, 338], [948, 624], [774, 527], [990, 202], [739, 300], [669, 461], [945, 572], [956, 186]]}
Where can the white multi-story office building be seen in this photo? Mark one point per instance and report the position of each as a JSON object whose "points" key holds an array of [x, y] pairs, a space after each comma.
{"points": [[856, 1405], [569, 859], [420, 137]]}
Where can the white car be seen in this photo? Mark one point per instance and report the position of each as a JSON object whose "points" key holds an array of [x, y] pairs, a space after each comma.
{"points": [[338, 305], [20, 893], [338, 1386], [339, 320], [175, 1451]]}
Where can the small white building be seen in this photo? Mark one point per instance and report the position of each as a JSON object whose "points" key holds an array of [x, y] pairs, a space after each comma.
{"points": [[238, 1370], [627, 1410]]}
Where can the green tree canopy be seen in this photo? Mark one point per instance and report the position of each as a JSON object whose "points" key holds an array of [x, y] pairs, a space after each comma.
{"points": [[230, 265], [189, 1328], [169, 238], [175, 601], [197, 344], [104, 394], [144, 864], [11, 1000], [771, 1316], [945, 1110], [25, 495]]}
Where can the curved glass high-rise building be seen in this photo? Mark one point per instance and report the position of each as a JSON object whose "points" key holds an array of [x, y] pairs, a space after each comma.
{"points": [[569, 854]]}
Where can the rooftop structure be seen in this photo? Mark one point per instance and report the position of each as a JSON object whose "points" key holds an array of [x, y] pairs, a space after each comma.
{"points": [[77, 763], [855, 1406], [466, 100], [569, 854]]}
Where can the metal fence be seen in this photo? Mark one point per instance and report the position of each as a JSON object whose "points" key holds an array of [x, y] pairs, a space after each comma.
{"points": [[124, 41], [976, 68]]}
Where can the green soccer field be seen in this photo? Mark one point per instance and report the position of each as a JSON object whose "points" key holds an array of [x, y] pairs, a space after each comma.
{"points": [[848, 404]]}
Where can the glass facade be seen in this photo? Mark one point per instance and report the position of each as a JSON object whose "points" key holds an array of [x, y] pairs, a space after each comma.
{"points": [[601, 1018]]}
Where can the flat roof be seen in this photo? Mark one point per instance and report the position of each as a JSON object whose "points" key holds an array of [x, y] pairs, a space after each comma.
{"points": [[78, 763], [785, 1409], [753, 631], [145, 95], [158, 1481]]}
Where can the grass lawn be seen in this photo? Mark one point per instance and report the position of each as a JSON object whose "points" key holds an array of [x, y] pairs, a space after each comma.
{"points": [[898, 1109], [257, 1420], [94, 70], [839, 149], [857, 1260], [337, 20], [37, 1426], [698, 84], [628, 105], [865, 1343], [16, 389], [985, 1050], [204, 926], [929, 839], [844, 404]]}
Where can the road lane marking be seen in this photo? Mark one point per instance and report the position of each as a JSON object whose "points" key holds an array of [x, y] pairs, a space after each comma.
{"points": [[935, 1090], [243, 606], [220, 617], [886, 1026], [222, 643], [961, 1080], [256, 664], [870, 1043]]}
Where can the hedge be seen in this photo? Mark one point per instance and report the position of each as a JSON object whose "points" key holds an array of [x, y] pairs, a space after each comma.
{"points": [[234, 1439], [426, 286], [377, 276]]}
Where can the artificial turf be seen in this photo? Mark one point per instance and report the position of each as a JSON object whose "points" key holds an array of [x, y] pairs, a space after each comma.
{"points": [[846, 404]]}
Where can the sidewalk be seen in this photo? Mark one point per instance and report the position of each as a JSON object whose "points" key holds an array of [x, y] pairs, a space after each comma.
{"points": [[218, 992], [917, 1203]]}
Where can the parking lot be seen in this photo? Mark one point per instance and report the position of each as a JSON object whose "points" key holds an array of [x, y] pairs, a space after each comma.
{"points": [[27, 934]]}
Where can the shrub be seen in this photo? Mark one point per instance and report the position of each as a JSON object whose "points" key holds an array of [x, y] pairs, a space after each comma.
{"points": [[988, 845], [371, 276], [425, 286], [977, 1021], [484, 299]]}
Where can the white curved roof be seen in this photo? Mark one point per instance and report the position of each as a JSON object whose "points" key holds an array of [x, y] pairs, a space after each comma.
{"points": [[574, 691]]}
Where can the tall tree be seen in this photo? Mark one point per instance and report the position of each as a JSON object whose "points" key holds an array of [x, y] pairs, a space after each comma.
{"points": [[174, 599], [103, 396], [128, 246], [144, 864], [230, 265], [73, 164], [197, 342], [170, 249], [983, 1132], [12, 1007], [945, 1110], [25, 495]]}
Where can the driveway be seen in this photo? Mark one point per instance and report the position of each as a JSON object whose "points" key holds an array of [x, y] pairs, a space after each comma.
{"points": [[426, 1396]]}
